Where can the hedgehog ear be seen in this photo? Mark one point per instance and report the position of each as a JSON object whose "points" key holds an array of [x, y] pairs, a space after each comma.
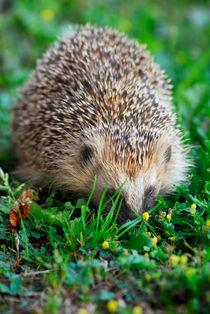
{"points": [[167, 155]]}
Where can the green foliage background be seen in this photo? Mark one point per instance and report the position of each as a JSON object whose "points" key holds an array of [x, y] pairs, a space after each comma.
{"points": [[177, 34]]}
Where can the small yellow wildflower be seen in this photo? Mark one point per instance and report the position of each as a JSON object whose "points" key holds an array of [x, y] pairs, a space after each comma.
{"points": [[168, 217], [137, 310], [183, 260], [193, 209], [83, 311], [208, 223], [163, 214], [148, 234], [47, 14], [173, 239], [174, 260], [112, 306], [146, 255], [154, 241], [190, 271], [105, 245], [145, 216], [147, 277]]}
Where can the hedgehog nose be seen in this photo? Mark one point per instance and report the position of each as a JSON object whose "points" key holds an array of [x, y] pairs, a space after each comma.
{"points": [[149, 198]]}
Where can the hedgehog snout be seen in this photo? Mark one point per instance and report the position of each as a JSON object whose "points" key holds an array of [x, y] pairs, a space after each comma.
{"points": [[149, 199]]}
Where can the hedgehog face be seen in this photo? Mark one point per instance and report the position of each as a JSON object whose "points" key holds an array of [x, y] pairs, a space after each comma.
{"points": [[141, 181], [163, 168]]}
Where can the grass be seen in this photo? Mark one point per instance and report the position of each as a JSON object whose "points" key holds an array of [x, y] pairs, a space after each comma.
{"points": [[66, 257]]}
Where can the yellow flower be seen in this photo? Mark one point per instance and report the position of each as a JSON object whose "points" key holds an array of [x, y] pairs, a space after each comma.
{"points": [[148, 234], [112, 306], [173, 239], [137, 310], [193, 209], [105, 245], [190, 271], [168, 217], [183, 260], [145, 216], [208, 222], [83, 311], [154, 241], [47, 14], [147, 277], [174, 260], [163, 214], [146, 255]]}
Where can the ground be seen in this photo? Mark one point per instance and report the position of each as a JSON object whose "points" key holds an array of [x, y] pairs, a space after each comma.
{"points": [[64, 258]]}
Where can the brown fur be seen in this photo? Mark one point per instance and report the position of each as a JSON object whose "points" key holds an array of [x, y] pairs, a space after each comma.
{"points": [[95, 88]]}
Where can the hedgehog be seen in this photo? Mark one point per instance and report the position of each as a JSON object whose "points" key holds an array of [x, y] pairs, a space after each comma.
{"points": [[98, 106]]}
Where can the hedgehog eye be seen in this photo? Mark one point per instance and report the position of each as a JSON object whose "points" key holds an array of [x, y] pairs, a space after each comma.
{"points": [[87, 153], [167, 155]]}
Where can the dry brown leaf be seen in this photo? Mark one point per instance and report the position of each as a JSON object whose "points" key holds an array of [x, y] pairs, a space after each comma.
{"points": [[21, 207]]}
